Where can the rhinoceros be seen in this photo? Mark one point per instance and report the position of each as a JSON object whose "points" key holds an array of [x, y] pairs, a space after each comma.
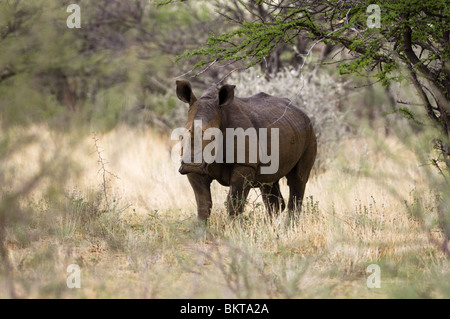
{"points": [[294, 144]]}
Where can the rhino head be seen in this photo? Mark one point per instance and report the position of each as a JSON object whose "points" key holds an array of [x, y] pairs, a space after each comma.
{"points": [[204, 113]]}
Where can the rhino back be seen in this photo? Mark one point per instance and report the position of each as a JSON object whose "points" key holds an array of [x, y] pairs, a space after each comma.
{"points": [[266, 111]]}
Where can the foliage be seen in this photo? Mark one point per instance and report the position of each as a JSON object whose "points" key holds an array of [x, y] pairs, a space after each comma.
{"points": [[406, 26], [100, 72]]}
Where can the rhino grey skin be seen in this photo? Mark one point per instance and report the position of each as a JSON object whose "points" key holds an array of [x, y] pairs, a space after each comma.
{"points": [[219, 108]]}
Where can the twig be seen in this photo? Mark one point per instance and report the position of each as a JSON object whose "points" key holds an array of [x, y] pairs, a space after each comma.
{"points": [[409, 103], [104, 172], [232, 71]]}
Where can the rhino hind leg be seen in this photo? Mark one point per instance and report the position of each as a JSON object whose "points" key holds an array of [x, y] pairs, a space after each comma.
{"points": [[297, 179], [296, 192], [272, 198]]}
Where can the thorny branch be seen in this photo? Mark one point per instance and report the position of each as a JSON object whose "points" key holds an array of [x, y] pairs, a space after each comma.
{"points": [[103, 171]]}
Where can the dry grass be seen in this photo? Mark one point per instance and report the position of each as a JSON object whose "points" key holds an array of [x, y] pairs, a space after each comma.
{"points": [[149, 245]]}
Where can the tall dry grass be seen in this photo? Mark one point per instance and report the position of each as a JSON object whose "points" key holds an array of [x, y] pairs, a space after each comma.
{"points": [[148, 244]]}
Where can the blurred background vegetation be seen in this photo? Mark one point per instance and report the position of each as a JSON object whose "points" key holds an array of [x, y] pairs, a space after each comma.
{"points": [[59, 85], [119, 67]]}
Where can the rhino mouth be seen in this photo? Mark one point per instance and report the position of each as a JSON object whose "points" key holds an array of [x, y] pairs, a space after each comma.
{"points": [[198, 168]]}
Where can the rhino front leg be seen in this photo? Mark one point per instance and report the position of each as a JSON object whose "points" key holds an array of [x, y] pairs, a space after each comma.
{"points": [[201, 184], [240, 184]]}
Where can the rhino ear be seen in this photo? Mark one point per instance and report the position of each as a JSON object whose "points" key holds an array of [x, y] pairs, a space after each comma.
{"points": [[226, 94], [184, 92]]}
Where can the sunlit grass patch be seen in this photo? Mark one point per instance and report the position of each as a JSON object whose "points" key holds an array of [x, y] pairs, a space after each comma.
{"points": [[147, 241]]}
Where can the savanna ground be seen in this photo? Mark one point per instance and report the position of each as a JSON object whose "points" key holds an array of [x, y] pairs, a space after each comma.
{"points": [[129, 221]]}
